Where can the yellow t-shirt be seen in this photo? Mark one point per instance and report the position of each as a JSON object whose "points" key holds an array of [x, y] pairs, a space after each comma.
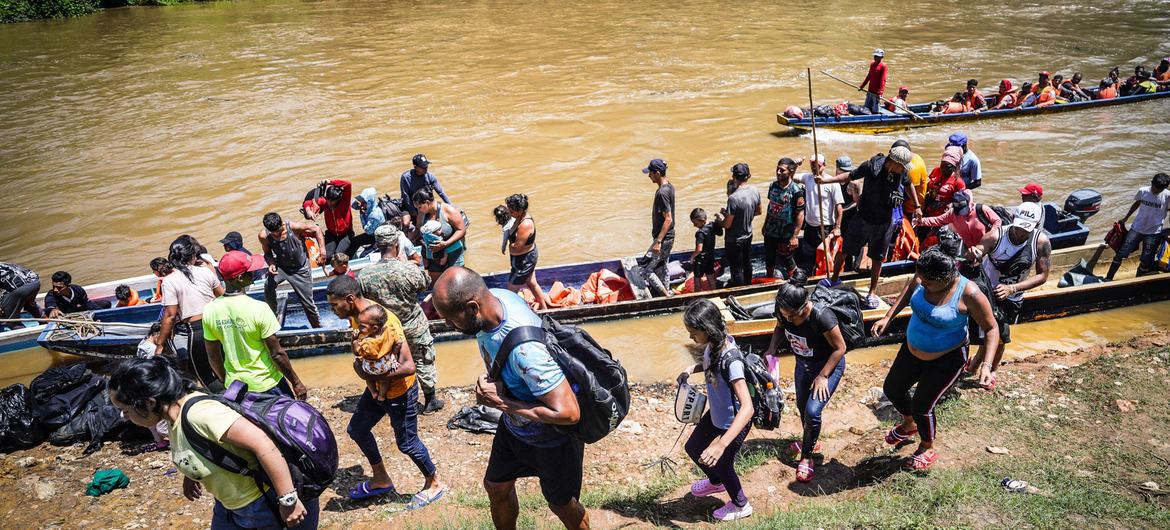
{"points": [[392, 335], [918, 179], [212, 420]]}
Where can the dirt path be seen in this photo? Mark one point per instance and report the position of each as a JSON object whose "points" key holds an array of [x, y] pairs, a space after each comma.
{"points": [[625, 485]]}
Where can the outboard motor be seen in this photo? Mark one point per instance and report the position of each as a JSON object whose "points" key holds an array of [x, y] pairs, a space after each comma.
{"points": [[1083, 203]]}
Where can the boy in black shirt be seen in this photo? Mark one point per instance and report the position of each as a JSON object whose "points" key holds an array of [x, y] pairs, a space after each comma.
{"points": [[703, 259]]}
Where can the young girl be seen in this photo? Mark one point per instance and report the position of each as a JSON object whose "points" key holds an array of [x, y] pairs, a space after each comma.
{"points": [[506, 223], [814, 336], [723, 428], [149, 391], [376, 347]]}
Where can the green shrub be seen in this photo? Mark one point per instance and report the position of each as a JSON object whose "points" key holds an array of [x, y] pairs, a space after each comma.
{"points": [[17, 10]]}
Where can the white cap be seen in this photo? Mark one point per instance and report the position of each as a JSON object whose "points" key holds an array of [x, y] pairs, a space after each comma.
{"points": [[878, 52], [1027, 216], [820, 159]]}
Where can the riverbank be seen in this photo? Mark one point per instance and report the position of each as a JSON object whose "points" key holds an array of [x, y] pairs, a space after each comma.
{"points": [[25, 10], [1086, 427]]}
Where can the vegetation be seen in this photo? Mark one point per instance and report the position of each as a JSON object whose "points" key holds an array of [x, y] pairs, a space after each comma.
{"points": [[22, 10]]}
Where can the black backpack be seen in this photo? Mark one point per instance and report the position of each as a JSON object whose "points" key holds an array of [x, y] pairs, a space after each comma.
{"points": [[598, 380], [767, 398], [1006, 215], [391, 208], [845, 303]]}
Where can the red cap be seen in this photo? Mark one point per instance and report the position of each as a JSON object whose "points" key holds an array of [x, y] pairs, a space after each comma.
{"points": [[235, 263], [1032, 189], [1045, 74], [903, 88]]}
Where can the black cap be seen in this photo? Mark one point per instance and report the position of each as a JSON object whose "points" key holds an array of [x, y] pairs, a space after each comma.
{"points": [[657, 165], [420, 160], [233, 240], [740, 171]]}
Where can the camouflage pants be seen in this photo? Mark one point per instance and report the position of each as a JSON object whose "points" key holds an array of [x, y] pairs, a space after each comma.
{"points": [[422, 350]]}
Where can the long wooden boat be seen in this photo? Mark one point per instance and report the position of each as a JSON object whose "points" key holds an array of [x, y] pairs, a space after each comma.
{"points": [[884, 123], [301, 341], [1044, 303]]}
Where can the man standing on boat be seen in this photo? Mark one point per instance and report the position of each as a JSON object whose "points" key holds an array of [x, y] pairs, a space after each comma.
{"points": [[876, 80], [823, 207], [284, 250], [239, 334], [662, 219], [395, 283], [1007, 255], [417, 178], [743, 205], [886, 186]]}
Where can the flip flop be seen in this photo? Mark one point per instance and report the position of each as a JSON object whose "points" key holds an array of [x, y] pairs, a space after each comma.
{"points": [[362, 491], [420, 500], [804, 472], [896, 436]]}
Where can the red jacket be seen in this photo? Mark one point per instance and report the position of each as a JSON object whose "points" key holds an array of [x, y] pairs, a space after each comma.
{"points": [[940, 191], [338, 219]]}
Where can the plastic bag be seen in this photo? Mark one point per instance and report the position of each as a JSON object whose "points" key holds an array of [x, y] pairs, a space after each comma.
{"points": [[56, 380], [97, 422], [478, 419], [53, 411], [19, 428]]}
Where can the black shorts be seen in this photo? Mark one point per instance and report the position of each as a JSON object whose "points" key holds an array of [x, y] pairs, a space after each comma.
{"points": [[558, 468], [1009, 310], [523, 266], [705, 264], [452, 259], [861, 233]]}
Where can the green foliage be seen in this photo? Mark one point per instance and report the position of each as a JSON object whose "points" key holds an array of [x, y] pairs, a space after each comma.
{"points": [[20, 10]]}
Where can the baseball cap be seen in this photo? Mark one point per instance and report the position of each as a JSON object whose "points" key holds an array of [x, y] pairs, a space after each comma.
{"points": [[235, 263], [904, 88], [818, 158], [420, 160], [386, 234], [844, 163], [959, 139], [1032, 189], [658, 165], [740, 171], [878, 52], [901, 155], [1027, 216], [233, 240]]}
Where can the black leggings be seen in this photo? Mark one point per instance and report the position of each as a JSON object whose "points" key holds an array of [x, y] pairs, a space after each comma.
{"points": [[723, 472], [335, 243], [933, 378]]}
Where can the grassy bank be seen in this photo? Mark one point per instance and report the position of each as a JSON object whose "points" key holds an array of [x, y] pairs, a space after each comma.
{"points": [[23, 10]]}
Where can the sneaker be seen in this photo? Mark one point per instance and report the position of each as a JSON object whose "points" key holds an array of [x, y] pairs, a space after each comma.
{"points": [[704, 488], [731, 512], [433, 406], [872, 302]]}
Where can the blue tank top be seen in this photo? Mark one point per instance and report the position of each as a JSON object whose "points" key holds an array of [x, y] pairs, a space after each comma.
{"points": [[937, 328]]}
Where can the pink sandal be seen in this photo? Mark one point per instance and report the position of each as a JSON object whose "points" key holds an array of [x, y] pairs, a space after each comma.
{"points": [[804, 472], [991, 385], [704, 488], [922, 461], [794, 450], [896, 436]]}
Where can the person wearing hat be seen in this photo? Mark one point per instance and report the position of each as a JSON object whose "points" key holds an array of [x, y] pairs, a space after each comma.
{"points": [[898, 105], [234, 241], [943, 182], [1008, 254], [661, 219], [823, 207], [239, 333], [743, 205], [968, 220], [919, 177], [876, 80], [417, 178], [970, 168], [886, 186], [851, 193], [1044, 91], [395, 283]]}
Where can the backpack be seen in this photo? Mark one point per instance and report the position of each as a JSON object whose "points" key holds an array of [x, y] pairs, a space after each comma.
{"points": [[1006, 216], [845, 303], [598, 380], [767, 398], [300, 432], [391, 208]]}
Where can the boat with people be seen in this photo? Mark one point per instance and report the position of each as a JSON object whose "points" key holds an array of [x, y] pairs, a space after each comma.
{"points": [[884, 123], [751, 322], [105, 338]]}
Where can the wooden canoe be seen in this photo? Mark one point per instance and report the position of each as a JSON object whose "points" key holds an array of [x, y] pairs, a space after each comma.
{"points": [[1044, 303], [884, 123]]}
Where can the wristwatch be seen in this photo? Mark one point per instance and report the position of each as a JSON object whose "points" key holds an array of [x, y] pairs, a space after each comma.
{"points": [[288, 500]]}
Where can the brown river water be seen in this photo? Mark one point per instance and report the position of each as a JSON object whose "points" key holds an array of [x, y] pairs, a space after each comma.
{"points": [[126, 128]]}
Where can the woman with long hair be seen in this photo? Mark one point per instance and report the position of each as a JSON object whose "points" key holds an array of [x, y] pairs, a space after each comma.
{"points": [[185, 291]]}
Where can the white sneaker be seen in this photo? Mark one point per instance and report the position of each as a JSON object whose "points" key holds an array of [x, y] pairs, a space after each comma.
{"points": [[731, 512]]}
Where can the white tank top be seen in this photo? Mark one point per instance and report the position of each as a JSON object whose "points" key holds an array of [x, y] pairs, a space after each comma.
{"points": [[1009, 262]]}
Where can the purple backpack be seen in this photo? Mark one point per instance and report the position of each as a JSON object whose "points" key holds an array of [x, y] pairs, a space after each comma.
{"points": [[298, 430]]}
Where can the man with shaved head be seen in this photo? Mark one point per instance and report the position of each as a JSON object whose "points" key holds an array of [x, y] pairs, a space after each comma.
{"points": [[531, 391]]}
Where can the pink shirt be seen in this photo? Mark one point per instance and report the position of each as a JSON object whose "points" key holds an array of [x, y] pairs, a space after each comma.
{"points": [[969, 228]]}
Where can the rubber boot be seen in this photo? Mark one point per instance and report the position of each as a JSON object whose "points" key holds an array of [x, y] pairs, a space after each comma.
{"points": [[1112, 270], [431, 404]]}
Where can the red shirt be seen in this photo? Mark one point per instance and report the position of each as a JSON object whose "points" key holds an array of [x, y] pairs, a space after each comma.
{"points": [[876, 78], [338, 219], [940, 191]]}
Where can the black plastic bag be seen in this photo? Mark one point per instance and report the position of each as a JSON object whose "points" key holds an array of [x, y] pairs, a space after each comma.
{"points": [[479, 419], [56, 380], [54, 411], [19, 428], [96, 423]]}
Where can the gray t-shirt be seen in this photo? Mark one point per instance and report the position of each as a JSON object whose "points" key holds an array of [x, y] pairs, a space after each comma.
{"points": [[743, 204], [720, 396]]}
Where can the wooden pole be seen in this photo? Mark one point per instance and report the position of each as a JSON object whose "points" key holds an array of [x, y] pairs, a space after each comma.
{"points": [[820, 198]]}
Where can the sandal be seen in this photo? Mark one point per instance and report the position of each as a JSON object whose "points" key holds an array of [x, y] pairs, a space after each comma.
{"points": [[804, 472], [362, 491], [421, 500], [896, 436], [922, 461], [794, 450], [991, 385], [704, 488]]}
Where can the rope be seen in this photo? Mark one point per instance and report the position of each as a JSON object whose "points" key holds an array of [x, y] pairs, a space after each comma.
{"points": [[666, 463], [79, 325]]}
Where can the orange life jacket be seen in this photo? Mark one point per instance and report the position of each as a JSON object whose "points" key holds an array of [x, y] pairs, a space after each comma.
{"points": [[823, 261], [954, 107], [969, 100], [604, 287], [562, 296], [313, 251], [906, 245], [134, 300], [1108, 92]]}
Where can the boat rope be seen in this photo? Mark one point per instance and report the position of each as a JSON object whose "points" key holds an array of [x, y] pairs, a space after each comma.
{"points": [[88, 320]]}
